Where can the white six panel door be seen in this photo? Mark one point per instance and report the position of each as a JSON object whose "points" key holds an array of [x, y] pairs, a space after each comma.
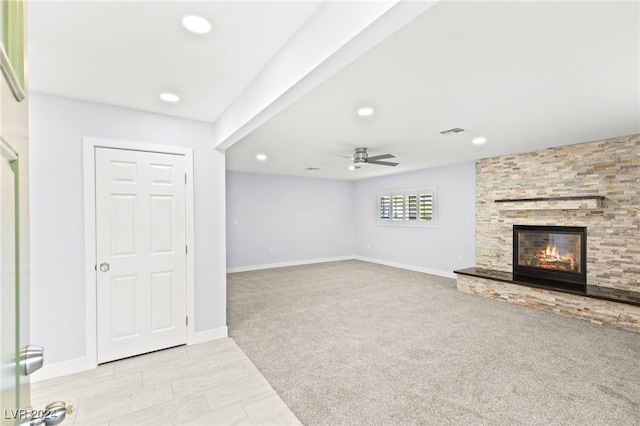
{"points": [[141, 252]]}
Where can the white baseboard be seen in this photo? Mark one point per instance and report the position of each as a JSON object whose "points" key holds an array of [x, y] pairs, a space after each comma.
{"points": [[76, 365], [408, 267], [285, 264], [446, 274], [50, 371], [213, 334]]}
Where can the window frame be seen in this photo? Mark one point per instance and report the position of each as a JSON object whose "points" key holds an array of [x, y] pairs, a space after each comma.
{"points": [[409, 213]]}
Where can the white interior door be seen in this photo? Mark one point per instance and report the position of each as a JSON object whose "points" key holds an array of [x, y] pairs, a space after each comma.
{"points": [[141, 252]]}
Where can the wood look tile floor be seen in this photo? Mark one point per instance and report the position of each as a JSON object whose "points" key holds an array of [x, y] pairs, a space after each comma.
{"points": [[211, 383]]}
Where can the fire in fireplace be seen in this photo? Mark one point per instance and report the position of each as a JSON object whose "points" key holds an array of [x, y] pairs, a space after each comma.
{"points": [[550, 258], [553, 253]]}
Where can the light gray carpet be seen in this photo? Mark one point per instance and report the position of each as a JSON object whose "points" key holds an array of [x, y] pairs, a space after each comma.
{"points": [[357, 343]]}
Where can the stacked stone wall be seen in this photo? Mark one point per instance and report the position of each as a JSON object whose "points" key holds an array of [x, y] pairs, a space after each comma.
{"points": [[609, 168]]}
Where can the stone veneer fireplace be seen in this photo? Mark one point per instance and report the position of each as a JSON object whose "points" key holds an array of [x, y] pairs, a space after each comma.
{"points": [[592, 185]]}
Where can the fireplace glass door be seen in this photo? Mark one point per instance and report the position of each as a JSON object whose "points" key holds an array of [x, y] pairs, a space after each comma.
{"points": [[550, 252]]}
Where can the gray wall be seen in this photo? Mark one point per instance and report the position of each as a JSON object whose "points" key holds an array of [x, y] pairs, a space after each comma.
{"points": [[279, 219], [310, 219], [436, 249], [57, 126]]}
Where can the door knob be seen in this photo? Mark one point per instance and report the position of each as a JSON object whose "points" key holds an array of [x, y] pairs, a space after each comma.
{"points": [[104, 267], [31, 359]]}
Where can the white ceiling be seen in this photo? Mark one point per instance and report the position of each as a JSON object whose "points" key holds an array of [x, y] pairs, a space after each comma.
{"points": [[126, 53], [526, 75]]}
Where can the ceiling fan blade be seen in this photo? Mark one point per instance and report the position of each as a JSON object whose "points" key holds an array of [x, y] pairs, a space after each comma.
{"points": [[381, 157], [383, 163]]}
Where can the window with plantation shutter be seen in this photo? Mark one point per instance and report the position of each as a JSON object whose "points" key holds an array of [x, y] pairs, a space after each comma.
{"points": [[426, 206], [397, 207], [407, 207], [385, 208], [412, 207]]}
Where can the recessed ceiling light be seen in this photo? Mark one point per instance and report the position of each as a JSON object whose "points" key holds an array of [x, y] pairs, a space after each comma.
{"points": [[169, 97], [479, 140], [261, 157], [365, 112], [196, 24]]}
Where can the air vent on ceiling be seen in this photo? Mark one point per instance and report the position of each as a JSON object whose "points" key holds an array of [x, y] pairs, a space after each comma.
{"points": [[451, 131], [312, 168]]}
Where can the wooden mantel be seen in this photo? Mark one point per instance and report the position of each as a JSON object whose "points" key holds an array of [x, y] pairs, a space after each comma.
{"points": [[584, 202]]}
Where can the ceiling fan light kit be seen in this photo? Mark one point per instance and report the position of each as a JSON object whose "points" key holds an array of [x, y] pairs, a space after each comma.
{"points": [[361, 157]]}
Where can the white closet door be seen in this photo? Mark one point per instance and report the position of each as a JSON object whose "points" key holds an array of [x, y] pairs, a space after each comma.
{"points": [[140, 246]]}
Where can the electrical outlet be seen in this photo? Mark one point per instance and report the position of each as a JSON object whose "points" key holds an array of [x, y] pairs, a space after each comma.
{"points": [[271, 250], [459, 257]]}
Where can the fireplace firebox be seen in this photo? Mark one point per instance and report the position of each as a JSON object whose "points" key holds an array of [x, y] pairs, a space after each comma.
{"points": [[556, 255]]}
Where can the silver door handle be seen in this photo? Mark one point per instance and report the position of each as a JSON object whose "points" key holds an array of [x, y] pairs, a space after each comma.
{"points": [[31, 359], [104, 267]]}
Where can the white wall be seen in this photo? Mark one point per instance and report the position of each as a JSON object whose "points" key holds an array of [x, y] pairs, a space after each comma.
{"points": [[434, 249], [279, 219], [57, 126], [311, 219]]}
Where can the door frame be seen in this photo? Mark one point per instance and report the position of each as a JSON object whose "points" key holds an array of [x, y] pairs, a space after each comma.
{"points": [[89, 145]]}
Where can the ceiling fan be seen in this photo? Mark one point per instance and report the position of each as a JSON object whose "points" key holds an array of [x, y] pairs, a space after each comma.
{"points": [[360, 156]]}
